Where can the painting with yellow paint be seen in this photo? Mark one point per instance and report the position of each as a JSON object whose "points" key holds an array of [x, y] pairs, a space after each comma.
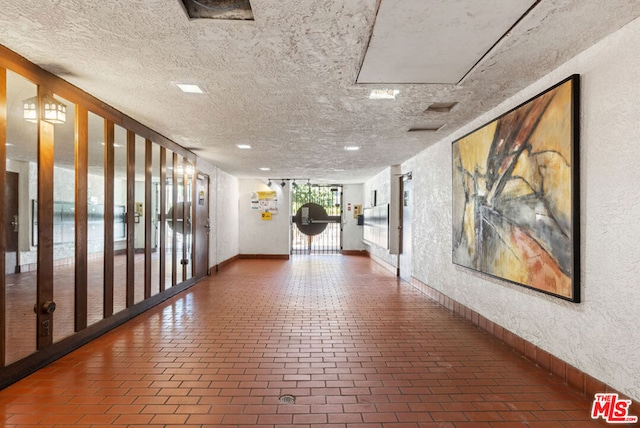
{"points": [[515, 194]]}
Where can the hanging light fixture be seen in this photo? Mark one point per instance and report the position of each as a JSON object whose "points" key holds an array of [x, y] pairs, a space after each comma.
{"points": [[53, 111]]}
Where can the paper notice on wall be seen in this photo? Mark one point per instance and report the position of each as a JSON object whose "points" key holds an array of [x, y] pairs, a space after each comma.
{"points": [[267, 201]]}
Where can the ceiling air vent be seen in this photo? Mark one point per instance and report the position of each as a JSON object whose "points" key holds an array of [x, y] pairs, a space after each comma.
{"points": [[440, 107], [428, 128], [219, 9]]}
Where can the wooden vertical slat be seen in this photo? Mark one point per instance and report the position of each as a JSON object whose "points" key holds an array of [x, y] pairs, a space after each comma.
{"points": [[148, 171], [45, 230], [131, 249], [174, 220], [3, 220], [163, 215], [81, 214], [109, 177]]}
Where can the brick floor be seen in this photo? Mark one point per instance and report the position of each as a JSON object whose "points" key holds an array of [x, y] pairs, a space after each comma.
{"points": [[355, 346]]}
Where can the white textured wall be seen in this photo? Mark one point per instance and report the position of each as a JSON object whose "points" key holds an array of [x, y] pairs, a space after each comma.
{"points": [[227, 222], [259, 236], [601, 335]]}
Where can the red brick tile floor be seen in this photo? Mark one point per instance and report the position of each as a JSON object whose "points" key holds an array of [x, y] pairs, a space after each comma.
{"points": [[355, 346]]}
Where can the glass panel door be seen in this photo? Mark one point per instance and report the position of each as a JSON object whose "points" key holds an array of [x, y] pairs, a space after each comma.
{"points": [[169, 230], [155, 219], [139, 219], [95, 220], [64, 181], [119, 220], [22, 165]]}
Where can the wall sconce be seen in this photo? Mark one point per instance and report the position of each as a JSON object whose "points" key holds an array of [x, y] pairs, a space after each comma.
{"points": [[53, 111], [30, 110]]}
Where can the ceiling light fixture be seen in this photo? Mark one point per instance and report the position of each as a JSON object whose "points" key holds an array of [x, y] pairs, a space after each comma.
{"points": [[243, 146], [189, 88], [264, 168], [383, 94], [352, 148]]}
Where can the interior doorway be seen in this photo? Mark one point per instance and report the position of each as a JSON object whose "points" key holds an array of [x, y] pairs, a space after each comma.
{"points": [[202, 225], [317, 219]]}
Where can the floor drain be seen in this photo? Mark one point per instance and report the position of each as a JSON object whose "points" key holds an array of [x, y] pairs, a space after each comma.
{"points": [[287, 399]]}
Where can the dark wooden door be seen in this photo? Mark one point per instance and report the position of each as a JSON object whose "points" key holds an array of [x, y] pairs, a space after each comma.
{"points": [[11, 214], [202, 226]]}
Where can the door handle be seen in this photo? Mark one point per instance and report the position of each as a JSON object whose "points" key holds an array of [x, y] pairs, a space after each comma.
{"points": [[15, 223], [47, 307]]}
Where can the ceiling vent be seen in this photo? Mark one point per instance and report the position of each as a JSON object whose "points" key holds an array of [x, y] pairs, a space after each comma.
{"points": [[428, 128], [219, 9], [440, 107]]}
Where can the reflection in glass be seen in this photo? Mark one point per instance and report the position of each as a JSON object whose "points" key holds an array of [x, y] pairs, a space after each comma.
{"points": [[21, 255], [139, 216], [189, 174], [155, 216], [180, 243], [119, 220], [168, 230], [64, 179], [95, 220]]}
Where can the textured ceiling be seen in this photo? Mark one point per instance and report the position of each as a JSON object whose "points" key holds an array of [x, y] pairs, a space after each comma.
{"points": [[285, 83]]}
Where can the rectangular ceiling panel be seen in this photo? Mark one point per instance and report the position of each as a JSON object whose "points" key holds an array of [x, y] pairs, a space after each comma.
{"points": [[418, 41]]}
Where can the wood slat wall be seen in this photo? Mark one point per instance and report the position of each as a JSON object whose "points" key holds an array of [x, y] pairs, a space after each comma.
{"points": [[85, 103]]}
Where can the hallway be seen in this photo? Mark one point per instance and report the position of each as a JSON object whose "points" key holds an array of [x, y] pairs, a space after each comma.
{"points": [[351, 343]]}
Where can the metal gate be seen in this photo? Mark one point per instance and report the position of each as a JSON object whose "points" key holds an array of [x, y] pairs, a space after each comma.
{"points": [[316, 225]]}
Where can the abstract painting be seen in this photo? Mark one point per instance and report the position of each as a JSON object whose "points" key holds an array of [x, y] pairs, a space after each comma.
{"points": [[515, 194]]}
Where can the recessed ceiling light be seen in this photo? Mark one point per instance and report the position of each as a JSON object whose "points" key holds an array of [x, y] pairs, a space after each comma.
{"points": [[190, 88], [338, 170], [383, 94], [352, 148], [264, 168], [243, 146]]}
